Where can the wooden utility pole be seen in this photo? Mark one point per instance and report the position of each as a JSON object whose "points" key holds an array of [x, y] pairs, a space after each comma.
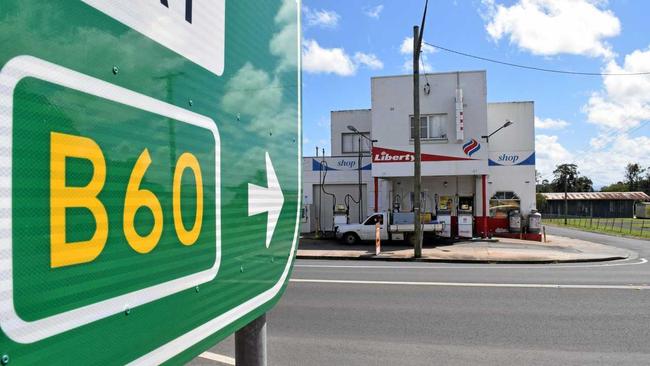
{"points": [[566, 201], [417, 248]]}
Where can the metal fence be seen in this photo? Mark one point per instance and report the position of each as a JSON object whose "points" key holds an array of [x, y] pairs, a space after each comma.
{"points": [[618, 225]]}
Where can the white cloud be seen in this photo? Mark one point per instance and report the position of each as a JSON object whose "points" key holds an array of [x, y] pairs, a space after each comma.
{"points": [[319, 60], [369, 60], [603, 166], [624, 101], [374, 11], [323, 122], [406, 48], [550, 124], [321, 18], [549, 153], [607, 166], [551, 27]]}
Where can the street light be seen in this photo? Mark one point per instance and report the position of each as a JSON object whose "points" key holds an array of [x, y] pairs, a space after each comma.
{"points": [[508, 123], [354, 129], [484, 179]]}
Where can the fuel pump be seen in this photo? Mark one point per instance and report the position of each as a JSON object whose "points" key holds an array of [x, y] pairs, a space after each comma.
{"points": [[445, 206], [465, 217]]}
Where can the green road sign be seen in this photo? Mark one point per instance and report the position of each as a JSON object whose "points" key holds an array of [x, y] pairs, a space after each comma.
{"points": [[149, 175]]}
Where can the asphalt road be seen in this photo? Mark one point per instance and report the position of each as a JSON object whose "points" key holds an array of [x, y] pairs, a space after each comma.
{"points": [[369, 313]]}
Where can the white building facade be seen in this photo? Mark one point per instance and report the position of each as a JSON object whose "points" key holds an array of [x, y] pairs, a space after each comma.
{"points": [[464, 172]]}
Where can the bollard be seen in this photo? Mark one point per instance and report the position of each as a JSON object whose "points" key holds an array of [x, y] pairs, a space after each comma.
{"points": [[377, 238]]}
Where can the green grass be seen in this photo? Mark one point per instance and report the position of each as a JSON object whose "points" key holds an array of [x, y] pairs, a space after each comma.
{"points": [[617, 226]]}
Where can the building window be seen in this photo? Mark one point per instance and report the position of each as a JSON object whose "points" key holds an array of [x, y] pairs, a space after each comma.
{"points": [[350, 142], [502, 203], [432, 127]]}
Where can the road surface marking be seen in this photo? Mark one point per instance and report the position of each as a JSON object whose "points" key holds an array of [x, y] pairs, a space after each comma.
{"points": [[219, 358], [452, 266], [476, 284]]}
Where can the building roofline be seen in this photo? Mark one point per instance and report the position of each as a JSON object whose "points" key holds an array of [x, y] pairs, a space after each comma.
{"points": [[512, 101], [430, 74], [597, 196], [352, 110]]}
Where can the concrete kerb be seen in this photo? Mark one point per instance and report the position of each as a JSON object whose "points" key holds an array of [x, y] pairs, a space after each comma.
{"points": [[372, 257], [508, 251]]}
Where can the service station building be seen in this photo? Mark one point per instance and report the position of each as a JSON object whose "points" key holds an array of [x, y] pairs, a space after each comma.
{"points": [[478, 158]]}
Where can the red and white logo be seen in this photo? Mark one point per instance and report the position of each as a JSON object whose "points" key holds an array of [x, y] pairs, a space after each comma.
{"points": [[383, 155]]}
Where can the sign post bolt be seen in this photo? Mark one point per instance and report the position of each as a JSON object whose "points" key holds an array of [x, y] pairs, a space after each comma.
{"points": [[115, 70], [5, 359], [197, 289]]}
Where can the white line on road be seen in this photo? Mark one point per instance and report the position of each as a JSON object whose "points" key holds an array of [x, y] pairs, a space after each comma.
{"points": [[219, 358], [452, 266], [476, 284]]}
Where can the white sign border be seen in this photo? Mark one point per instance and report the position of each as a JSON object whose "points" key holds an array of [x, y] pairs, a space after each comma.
{"points": [[200, 45], [22, 331]]}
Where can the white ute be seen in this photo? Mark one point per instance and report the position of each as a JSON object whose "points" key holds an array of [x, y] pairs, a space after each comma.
{"points": [[352, 233]]}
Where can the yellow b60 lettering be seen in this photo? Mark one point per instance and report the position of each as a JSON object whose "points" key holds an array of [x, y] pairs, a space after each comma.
{"points": [[64, 253]]}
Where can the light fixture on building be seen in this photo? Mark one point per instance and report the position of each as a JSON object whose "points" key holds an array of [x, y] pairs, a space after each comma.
{"points": [[508, 123], [427, 89]]}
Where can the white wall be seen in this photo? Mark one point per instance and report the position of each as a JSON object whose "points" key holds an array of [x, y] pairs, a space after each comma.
{"points": [[340, 120], [392, 108], [512, 151], [346, 173]]}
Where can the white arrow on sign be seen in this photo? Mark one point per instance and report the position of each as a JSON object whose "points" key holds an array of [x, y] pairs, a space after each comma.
{"points": [[266, 199]]}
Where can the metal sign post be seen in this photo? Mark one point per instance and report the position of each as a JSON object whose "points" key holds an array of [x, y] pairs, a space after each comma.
{"points": [[250, 343]]}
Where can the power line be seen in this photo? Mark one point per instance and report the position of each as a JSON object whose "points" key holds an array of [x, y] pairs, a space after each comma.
{"points": [[424, 69], [536, 68]]}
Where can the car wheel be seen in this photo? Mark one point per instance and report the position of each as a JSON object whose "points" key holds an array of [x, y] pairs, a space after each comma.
{"points": [[350, 238]]}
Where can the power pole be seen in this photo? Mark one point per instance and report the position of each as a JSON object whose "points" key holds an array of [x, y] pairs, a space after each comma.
{"points": [[566, 201], [360, 190], [417, 249]]}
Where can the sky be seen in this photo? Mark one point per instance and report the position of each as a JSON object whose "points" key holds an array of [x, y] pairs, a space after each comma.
{"points": [[600, 123]]}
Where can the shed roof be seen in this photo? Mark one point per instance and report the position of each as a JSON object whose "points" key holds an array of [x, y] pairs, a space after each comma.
{"points": [[600, 196]]}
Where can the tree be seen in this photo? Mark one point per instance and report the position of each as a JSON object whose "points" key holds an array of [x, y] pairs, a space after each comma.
{"points": [[541, 185], [644, 184], [574, 182], [540, 201], [615, 187], [584, 184], [544, 187], [633, 176]]}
